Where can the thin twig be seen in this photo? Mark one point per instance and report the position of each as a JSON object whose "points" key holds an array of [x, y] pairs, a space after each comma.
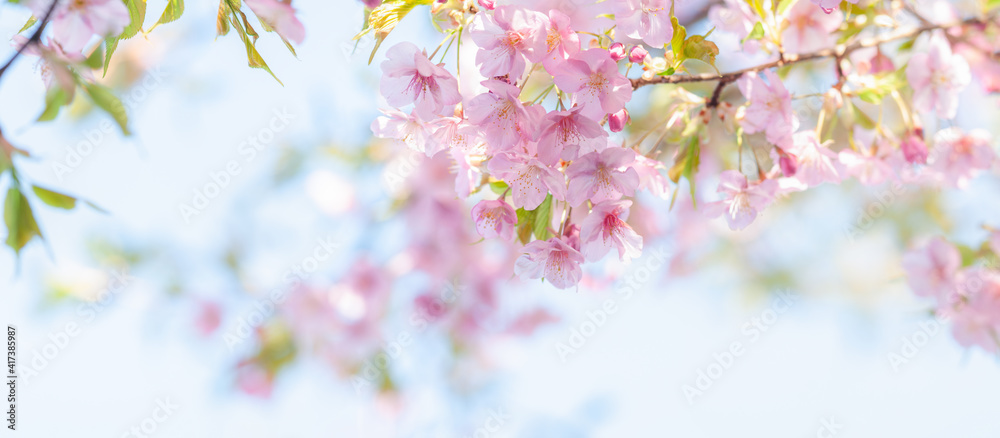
{"points": [[34, 39]]}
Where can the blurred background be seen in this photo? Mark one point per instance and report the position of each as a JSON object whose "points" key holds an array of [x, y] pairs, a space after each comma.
{"points": [[801, 325]]}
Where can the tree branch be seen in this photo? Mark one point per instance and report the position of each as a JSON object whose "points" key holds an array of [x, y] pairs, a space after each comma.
{"points": [[34, 39], [837, 52]]}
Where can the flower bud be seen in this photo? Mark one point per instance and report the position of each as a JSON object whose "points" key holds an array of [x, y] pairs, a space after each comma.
{"points": [[617, 51], [487, 4], [618, 120], [881, 64], [788, 165], [637, 54], [914, 148]]}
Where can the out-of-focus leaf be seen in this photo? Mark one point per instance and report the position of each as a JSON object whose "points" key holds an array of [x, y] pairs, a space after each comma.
{"points": [[861, 118], [524, 225], [385, 17], [498, 187], [55, 99], [222, 19], [543, 216], [756, 33], [54, 198], [20, 221], [31, 22], [107, 101], [783, 6]]}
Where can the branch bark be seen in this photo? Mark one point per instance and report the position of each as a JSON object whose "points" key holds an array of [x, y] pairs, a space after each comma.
{"points": [[34, 39], [837, 53]]}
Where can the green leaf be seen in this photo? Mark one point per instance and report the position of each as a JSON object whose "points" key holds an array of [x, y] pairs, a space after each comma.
{"points": [[524, 225], [20, 221], [498, 187], [137, 12], [173, 11], [385, 17], [755, 34], [31, 22], [677, 41], [222, 19], [107, 101], [543, 216], [95, 60], [870, 95], [861, 118], [54, 199], [254, 59], [990, 4], [697, 47], [55, 99], [783, 6]]}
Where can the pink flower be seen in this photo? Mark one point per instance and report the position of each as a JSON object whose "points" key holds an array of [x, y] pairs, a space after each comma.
{"points": [[551, 259], [637, 55], [500, 114], [868, 165], [409, 77], [937, 76], [605, 228], [977, 321], [741, 201], [813, 161], [74, 22], [618, 120], [736, 17], [468, 174], [508, 37], [913, 147], [280, 16], [593, 78], [529, 179], [602, 176], [455, 133], [617, 51], [494, 219], [55, 63], [650, 177], [561, 41], [564, 134], [770, 107], [405, 128], [957, 156], [487, 4], [809, 29], [648, 20], [931, 270]]}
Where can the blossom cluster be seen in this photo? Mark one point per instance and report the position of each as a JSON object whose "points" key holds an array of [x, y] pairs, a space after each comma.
{"points": [[564, 171]]}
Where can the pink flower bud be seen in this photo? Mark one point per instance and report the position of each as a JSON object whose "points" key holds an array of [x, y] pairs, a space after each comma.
{"points": [[788, 166], [372, 4], [638, 54], [618, 120], [881, 64], [487, 4], [617, 51], [914, 148]]}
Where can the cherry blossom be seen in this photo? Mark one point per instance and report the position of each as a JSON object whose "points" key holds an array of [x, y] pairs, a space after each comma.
{"points": [[73, 23], [405, 128], [741, 201], [602, 176], [814, 162], [937, 76], [868, 163], [770, 109], [957, 156], [564, 134], [529, 179], [605, 229], [593, 78], [809, 28], [561, 41], [931, 270], [494, 218], [280, 16], [648, 20], [738, 18], [553, 260], [507, 38], [505, 121], [913, 147], [977, 318], [409, 77]]}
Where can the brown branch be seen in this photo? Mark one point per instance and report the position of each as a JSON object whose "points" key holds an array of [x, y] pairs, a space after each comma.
{"points": [[837, 52], [35, 37]]}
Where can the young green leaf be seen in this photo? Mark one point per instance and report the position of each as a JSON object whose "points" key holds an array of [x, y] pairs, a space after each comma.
{"points": [[107, 101], [54, 199], [543, 216], [173, 11], [20, 221], [55, 99], [137, 12], [755, 34]]}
